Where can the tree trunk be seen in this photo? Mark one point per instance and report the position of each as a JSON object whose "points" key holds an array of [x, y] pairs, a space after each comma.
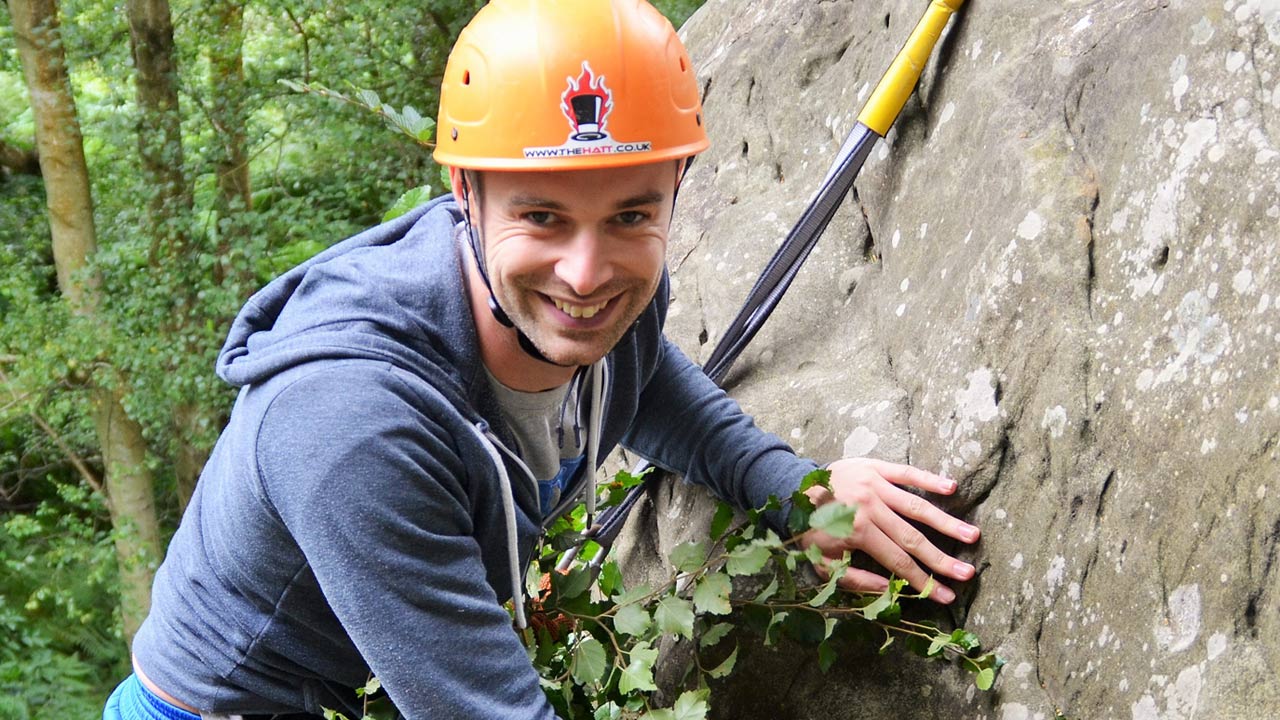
{"points": [[66, 176], [169, 200]]}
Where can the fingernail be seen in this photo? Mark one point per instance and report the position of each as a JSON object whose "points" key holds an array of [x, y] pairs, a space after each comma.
{"points": [[949, 485], [943, 595], [963, 570]]}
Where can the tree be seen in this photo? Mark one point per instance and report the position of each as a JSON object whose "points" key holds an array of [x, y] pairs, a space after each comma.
{"points": [[128, 482]]}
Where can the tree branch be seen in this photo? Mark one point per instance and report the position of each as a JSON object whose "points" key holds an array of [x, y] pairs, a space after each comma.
{"points": [[19, 160]]}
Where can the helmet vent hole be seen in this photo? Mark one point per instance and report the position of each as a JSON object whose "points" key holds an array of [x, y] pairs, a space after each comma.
{"points": [[698, 117], [682, 66], [454, 134], [466, 77]]}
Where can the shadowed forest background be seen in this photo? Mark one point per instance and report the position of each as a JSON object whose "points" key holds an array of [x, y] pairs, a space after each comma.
{"points": [[202, 176]]}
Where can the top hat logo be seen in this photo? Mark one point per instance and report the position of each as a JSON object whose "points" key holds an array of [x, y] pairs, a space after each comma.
{"points": [[587, 104]]}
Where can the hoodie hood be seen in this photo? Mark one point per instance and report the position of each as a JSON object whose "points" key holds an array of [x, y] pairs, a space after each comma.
{"points": [[395, 293]]}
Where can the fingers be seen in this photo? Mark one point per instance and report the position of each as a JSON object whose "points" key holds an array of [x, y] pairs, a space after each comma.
{"points": [[917, 508], [913, 476]]}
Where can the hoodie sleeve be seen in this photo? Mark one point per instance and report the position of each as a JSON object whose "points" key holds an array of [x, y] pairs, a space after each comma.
{"points": [[373, 491], [687, 424]]}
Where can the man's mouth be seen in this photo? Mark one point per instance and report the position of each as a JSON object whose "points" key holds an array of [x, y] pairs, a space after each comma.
{"points": [[582, 312]]}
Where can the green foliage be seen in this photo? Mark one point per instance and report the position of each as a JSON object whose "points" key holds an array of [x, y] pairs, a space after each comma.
{"points": [[320, 170], [597, 650]]}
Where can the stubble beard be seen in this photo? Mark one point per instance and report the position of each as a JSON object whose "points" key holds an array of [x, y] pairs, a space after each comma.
{"points": [[528, 309]]}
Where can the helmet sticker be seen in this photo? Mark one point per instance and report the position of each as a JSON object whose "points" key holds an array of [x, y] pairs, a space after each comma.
{"points": [[586, 104]]}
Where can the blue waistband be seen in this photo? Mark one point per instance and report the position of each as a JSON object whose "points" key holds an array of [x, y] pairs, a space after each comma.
{"points": [[133, 701]]}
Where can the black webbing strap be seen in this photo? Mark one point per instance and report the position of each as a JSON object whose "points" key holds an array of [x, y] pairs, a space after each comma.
{"points": [[764, 297]]}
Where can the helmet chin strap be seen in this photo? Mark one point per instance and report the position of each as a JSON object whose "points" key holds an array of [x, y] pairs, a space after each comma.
{"points": [[473, 240]]}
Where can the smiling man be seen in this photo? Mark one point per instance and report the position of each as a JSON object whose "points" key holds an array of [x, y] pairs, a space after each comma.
{"points": [[419, 401]]}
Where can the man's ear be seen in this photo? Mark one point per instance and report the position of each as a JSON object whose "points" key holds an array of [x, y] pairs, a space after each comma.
{"points": [[455, 182]]}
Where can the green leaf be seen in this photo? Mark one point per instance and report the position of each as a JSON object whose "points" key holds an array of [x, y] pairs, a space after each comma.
{"points": [[768, 591], [610, 578], [834, 518], [608, 711], [567, 586], [406, 202], [935, 647], [747, 559], [691, 705], [720, 523], [588, 661], [725, 667], [638, 675], [372, 687], [817, 477], [714, 634], [674, 615], [829, 589], [712, 594], [368, 98], [775, 625], [965, 639], [826, 656], [882, 603], [801, 510], [929, 585], [985, 679], [633, 619], [888, 640], [689, 556]]}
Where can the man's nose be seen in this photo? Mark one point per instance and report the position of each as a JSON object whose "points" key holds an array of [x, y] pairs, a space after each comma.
{"points": [[585, 266]]}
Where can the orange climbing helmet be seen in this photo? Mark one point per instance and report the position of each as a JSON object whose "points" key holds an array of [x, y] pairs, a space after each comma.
{"points": [[568, 85]]}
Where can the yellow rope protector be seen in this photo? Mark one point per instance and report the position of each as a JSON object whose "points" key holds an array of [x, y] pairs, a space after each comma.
{"points": [[903, 74]]}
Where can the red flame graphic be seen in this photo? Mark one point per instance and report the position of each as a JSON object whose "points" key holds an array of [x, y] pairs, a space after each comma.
{"points": [[586, 84]]}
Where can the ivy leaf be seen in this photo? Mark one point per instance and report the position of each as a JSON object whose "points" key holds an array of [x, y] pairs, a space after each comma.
{"points": [[816, 477], [714, 634], [826, 656], [588, 661], [834, 518], [674, 615], [720, 523], [632, 618], [769, 591], [570, 585], [935, 647], [691, 705], [888, 640], [837, 572], [408, 201], [770, 633], [712, 594], [747, 559], [608, 711], [726, 667], [985, 679], [689, 556], [929, 585], [638, 675], [610, 578], [882, 603], [965, 639]]}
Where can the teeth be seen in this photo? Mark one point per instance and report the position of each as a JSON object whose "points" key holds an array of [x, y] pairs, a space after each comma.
{"points": [[579, 311]]}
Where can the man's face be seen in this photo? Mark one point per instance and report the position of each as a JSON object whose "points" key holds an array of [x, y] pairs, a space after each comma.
{"points": [[574, 257]]}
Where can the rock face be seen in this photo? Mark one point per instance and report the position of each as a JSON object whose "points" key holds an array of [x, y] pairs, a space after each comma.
{"points": [[1059, 282]]}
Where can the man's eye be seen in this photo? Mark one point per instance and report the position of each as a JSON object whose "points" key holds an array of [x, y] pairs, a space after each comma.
{"points": [[632, 217], [540, 217]]}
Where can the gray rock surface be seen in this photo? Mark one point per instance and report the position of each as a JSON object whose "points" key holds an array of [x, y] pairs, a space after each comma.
{"points": [[1059, 282]]}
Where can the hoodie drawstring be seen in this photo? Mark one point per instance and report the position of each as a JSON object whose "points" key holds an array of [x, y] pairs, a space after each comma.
{"points": [[495, 449]]}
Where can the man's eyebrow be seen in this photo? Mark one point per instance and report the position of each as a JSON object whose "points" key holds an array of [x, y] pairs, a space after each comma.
{"points": [[520, 201], [652, 197]]}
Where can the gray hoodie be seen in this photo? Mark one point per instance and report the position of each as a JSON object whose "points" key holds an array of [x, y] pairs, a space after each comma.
{"points": [[351, 518]]}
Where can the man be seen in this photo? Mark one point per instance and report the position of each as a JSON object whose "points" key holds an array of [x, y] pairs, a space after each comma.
{"points": [[418, 401]]}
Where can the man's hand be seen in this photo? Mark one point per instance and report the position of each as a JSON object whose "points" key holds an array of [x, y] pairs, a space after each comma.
{"points": [[880, 530]]}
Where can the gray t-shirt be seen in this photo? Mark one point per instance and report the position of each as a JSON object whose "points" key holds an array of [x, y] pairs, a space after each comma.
{"points": [[549, 431]]}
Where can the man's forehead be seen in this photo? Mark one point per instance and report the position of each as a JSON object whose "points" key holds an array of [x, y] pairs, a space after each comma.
{"points": [[615, 187]]}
